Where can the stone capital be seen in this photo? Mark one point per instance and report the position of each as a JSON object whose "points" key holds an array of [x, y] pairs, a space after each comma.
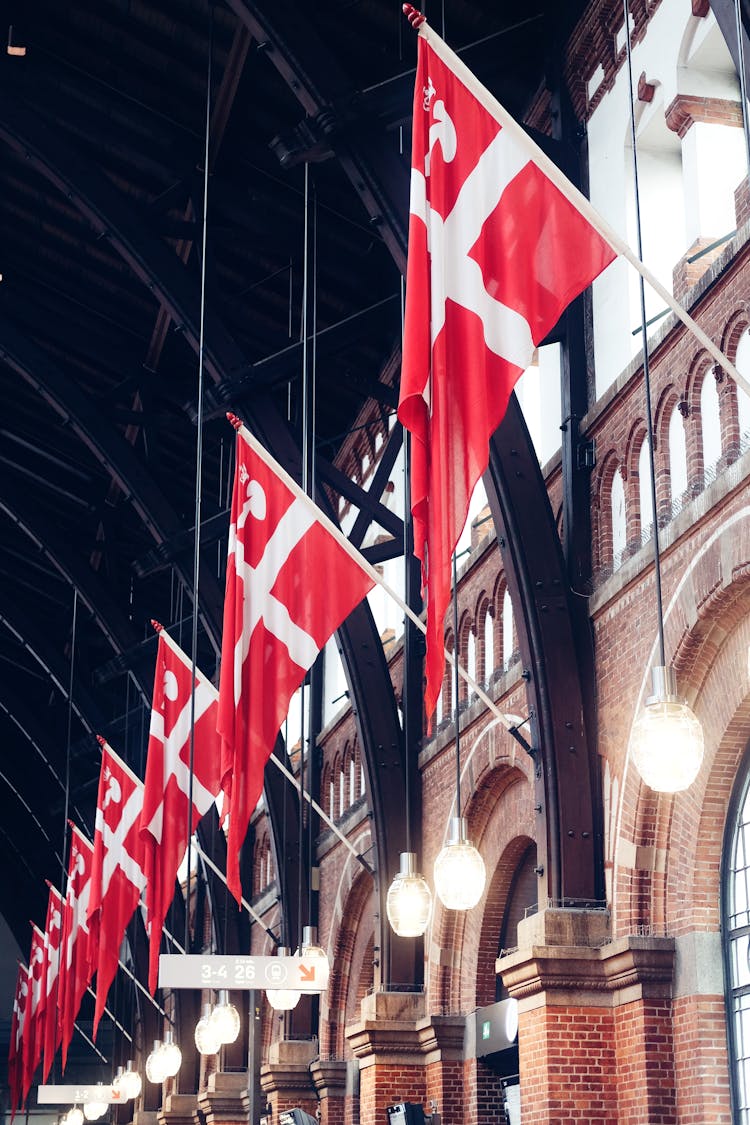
{"points": [[179, 1109], [288, 1067], [329, 1077], [223, 1100], [389, 1027]]}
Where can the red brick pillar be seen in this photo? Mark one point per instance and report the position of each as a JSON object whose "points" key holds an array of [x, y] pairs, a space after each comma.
{"points": [[223, 1102], [179, 1109], [443, 1048], [286, 1079], [329, 1079], [595, 1027], [387, 1041]]}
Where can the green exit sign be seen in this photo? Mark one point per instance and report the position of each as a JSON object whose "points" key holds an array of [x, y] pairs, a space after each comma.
{"points": [[486, 1029]]}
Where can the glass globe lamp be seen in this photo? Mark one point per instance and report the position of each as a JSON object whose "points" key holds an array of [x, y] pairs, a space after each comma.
{"points": [[224, 1019], [667, 739], [206, 1039], [459, 870], [93, 1109], [171, 1055], [131, 1082], [409, 900], [282, 999], [154, 1067], [314, 957], [74, 1116]]}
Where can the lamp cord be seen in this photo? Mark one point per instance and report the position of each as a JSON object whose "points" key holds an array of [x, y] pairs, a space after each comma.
{"points": [[198, 474], [644, 343], [455, 687]]}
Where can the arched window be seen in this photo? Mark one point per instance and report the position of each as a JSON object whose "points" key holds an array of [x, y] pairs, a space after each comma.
{"points": [[471, 655], [331, 799], [736, 940], [352, 780], [489, 644], [439, 708], [645, 499], [742, 362], [342, 791], [677, 459], [507, 629], [617, 513], [710, 424]]}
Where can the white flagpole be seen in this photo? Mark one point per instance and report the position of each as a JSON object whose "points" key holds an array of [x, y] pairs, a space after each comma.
{"points": [[362, 562], [571, 192]]}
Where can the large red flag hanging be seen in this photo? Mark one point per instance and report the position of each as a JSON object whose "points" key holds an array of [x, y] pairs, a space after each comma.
{"points": [[15, 1049], [32, 1031], [289, 585], [75, 965], [164, 819], [117, 878], [48, 1014], [496, 253]]}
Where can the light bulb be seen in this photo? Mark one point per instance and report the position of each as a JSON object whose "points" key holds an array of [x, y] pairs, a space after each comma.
{"points": [[282, 999], [667, 739], [459, 870], [171, 1056], [315, 959], [224, 1020], [93, 1109], [75, 1116], [131, 1083], [206, 1039], [409, 900], [154, 1068]]}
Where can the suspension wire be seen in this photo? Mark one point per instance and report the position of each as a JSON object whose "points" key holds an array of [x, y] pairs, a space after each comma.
{"points": [[315, 682], [66, 805], [198, 473], [644, 344], [455, 687], [740, 32], [406, 699]]}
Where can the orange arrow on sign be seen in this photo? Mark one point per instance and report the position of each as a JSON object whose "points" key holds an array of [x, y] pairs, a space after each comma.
{"points": [[307, 974]]}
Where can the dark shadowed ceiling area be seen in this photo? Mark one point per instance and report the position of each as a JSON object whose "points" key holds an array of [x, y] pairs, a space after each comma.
{"points": [[102, 131]]}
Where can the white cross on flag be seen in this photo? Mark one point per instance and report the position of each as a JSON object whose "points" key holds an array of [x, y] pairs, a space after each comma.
{"points": [[116, 871], [164, 820], [289, 585], [75, 964], [15, 1051], [49, 1018], [32, 1031], [496, 253]]}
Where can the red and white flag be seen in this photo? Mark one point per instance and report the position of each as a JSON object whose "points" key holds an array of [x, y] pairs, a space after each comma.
{"points": [[50, 1025], [117, 878], [496, 253], [289, 585], [15, 1048], [32, 1031], [75, 964], [164, 819]]}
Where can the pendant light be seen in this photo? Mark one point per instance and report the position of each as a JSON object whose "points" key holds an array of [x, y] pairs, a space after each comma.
{"points": [[224, 1020], [667, 739], [206, 1038], [459, 870], [283, 999], [408, 903], [314, 954], [74, 1116], [131, 1082], [171, 1055], [93, 1109], [154, 1068]]}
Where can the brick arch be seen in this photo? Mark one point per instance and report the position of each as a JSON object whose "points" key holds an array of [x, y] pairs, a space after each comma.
{"points": [[707, 635], [604, 540], [351, 968], [484, 605], [498, 891], [499, 811], [465, 627]]}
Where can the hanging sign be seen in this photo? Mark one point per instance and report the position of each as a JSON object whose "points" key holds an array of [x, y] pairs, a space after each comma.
{"points": [[187, 970], [70, 1095]]}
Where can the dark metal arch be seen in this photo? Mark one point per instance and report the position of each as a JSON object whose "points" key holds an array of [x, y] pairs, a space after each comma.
{"points": [[91, 590]]}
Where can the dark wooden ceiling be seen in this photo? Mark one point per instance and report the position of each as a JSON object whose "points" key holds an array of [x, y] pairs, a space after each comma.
{"points": [[102, 125]]}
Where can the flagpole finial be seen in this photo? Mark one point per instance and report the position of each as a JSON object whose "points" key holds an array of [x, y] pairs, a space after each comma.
{"points": [[236, 422], [414, 16], [156, 625], [101, 740]]}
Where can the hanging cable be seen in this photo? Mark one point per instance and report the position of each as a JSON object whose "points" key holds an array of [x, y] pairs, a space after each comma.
{"points": [[644, 341], [198, 470], [740, 33], [66, 806], [455, 687]]}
